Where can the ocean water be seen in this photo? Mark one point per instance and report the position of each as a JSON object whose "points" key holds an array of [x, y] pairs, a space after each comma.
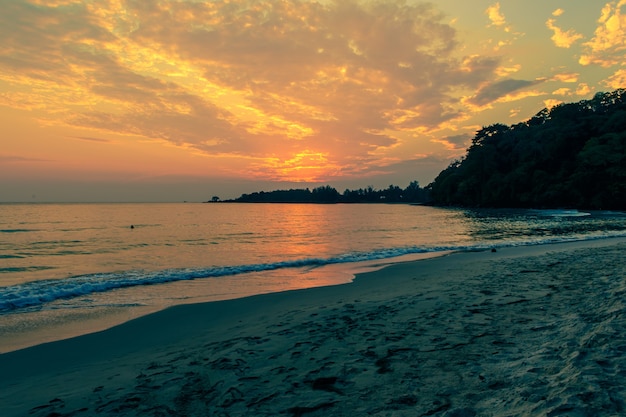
{"points": [[68, 269]]}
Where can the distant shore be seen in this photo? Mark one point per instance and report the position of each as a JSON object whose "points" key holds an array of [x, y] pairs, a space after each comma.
{"points": [[535, 331]]}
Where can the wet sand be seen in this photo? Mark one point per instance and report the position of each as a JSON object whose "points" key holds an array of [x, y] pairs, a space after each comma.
{"points": [[530, 331]]}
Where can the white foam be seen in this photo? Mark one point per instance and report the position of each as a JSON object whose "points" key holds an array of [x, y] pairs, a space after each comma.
{"points": [[37, 293]]}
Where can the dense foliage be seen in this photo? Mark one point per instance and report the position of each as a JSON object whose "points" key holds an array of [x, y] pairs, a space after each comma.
{"points": [[413, 193], [573, 155]]}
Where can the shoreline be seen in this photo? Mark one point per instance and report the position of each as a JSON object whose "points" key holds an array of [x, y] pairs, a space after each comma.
{"points": [[18, 333], [70, 324], [449, 334]]}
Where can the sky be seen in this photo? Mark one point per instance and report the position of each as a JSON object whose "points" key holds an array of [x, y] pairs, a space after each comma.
{"points": [[183, 100]]}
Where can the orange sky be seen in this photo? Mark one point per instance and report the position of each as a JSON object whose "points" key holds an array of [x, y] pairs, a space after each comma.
{"points": [[126, 100]]}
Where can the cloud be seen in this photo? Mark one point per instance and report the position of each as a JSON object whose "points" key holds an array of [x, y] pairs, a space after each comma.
{"points": [[495, 15], [401, 172], [583, 89], [455, 142], [504, 71], [549, 103], [566, 77], [499, 21], [607, 47], [266, 82], [495, 91], [617, 80], [514, 112], [91, 139], [562, 92], [19, 159], [561, 38]]}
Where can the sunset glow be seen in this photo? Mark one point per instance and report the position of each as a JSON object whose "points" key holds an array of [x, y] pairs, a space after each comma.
{"points": [[183, 99]]}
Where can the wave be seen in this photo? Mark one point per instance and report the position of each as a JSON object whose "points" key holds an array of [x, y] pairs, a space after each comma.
{"points": [[561, 213], [37, 293]]}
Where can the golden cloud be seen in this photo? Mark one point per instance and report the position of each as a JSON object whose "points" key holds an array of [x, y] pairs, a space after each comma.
{"points": [[520, 96], [583, 89], [495, 15], [566, 77], [608, 45], [504, 91], [549, 103], [617, 80], [562, 92], [498, 20], [242, 77], [303, 166], [561, 38], [505, 71]]}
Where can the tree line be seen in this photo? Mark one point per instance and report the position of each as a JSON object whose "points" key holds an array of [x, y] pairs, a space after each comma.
{"points": [[326, 194], [573, 155]]}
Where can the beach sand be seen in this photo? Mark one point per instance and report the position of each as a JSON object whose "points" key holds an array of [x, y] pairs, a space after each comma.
{"points": [[530, 331]]}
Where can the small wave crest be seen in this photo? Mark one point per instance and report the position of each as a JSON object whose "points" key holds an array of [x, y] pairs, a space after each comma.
{"points": [[37, 293], [562, 213]]}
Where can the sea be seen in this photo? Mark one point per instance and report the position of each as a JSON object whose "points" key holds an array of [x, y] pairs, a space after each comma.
{"points": [[71, 269]]}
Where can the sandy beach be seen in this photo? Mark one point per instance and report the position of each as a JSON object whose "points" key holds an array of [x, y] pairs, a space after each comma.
{"points": [[529, 331]]}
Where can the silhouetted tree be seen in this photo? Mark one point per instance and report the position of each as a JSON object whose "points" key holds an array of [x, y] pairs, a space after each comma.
{"points": [[327, 194], [571, 155]]}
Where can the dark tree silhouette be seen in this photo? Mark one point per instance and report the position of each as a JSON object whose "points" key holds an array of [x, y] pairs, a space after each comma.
{"points": [[327, 195], [573, 155]]}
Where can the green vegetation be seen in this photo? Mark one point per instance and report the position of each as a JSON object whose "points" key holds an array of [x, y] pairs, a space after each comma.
{"points": [[573, 155], [327, 194]]}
